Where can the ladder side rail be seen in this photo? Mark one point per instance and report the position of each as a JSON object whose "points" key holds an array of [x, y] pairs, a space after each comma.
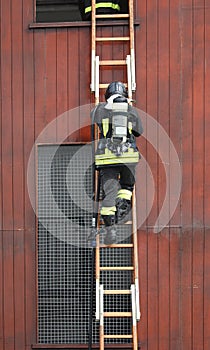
{"points": [[101, 317], [135, 254], [90, 339], [132, 45], [96, 188], [97, 249], [96, 214], [97, 94], [129, 79], [134, 325], [97, 254], [93, 43]]}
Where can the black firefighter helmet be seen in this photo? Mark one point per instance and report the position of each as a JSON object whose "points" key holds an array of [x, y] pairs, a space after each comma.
{"points": [[116, 87]]}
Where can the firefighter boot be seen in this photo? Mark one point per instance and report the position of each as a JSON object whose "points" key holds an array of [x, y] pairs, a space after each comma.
{"points": [[123, 208], [111, 235]]}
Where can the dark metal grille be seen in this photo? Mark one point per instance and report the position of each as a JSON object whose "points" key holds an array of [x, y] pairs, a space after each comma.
{"points": [[64, 192]]}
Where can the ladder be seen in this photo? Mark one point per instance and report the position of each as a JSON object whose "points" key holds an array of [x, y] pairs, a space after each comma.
{"points": [[97, 63], [127, 249], [119, 296]]}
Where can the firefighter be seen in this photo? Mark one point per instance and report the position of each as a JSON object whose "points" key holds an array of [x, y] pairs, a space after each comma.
{"points": [[102, 7], [117, 155]]}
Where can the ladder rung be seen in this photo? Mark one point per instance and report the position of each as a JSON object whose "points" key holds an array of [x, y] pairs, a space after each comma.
{"points": [[123, 15], [119, 38], [126, 245], [116, 268], [117, 314], [112, 62], [117, 291], [103, 86], [118, 336]]}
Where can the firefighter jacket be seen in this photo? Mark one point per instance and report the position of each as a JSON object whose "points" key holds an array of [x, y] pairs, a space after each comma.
{"points": [[120, 148], [102, 7]]}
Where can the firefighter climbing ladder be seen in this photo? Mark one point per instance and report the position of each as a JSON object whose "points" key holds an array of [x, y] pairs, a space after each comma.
{"points": [[133, 292]]}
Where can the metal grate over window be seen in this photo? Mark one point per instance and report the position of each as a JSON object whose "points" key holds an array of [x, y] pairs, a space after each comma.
{"points": [[64, 193]]}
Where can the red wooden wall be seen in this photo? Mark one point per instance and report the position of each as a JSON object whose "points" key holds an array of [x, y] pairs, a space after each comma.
{"points": [[45, 72]]}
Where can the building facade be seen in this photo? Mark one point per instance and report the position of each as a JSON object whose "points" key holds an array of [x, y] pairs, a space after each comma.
{"points": [[45, 72]]}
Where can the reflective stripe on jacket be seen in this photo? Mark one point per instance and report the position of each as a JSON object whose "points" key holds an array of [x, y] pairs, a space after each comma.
{"points": [[108, 158], [113, 6]]}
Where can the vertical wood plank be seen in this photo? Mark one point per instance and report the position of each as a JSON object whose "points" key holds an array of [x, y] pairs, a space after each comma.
{"points": [[175, 292], [143, 281], [40, 80], [18, 173], [7, 127], [175, 115], [186, 290], [186, 57], [1, 292], [29, 99], [141, 98], [84, 87], [1, 160], [30, 288], [163, 32], [28, 102], [50, 82], [17, 114], [198, 289], [175, 98], [141, 56], [152, 158], [61, 80], [73, 84], [163, 103], [198, 110], [19, 289], [152, 99], [207, 119], [207, 184], [8, 290], [206, 290], [153, 291], [198, 171], [164, 289], [187, 181]]}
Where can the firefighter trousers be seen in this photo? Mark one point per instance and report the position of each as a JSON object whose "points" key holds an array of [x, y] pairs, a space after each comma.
{"points": [[114, 179]]}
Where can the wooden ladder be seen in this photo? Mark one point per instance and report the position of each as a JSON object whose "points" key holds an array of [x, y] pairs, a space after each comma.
{"points": [[128, 248]]}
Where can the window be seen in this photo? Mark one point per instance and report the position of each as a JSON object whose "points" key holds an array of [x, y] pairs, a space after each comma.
{"points": [[57, 11], [63, 10]]}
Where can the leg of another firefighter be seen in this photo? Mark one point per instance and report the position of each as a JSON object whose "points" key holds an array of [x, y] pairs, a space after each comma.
{"points": [[110, 185]]}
